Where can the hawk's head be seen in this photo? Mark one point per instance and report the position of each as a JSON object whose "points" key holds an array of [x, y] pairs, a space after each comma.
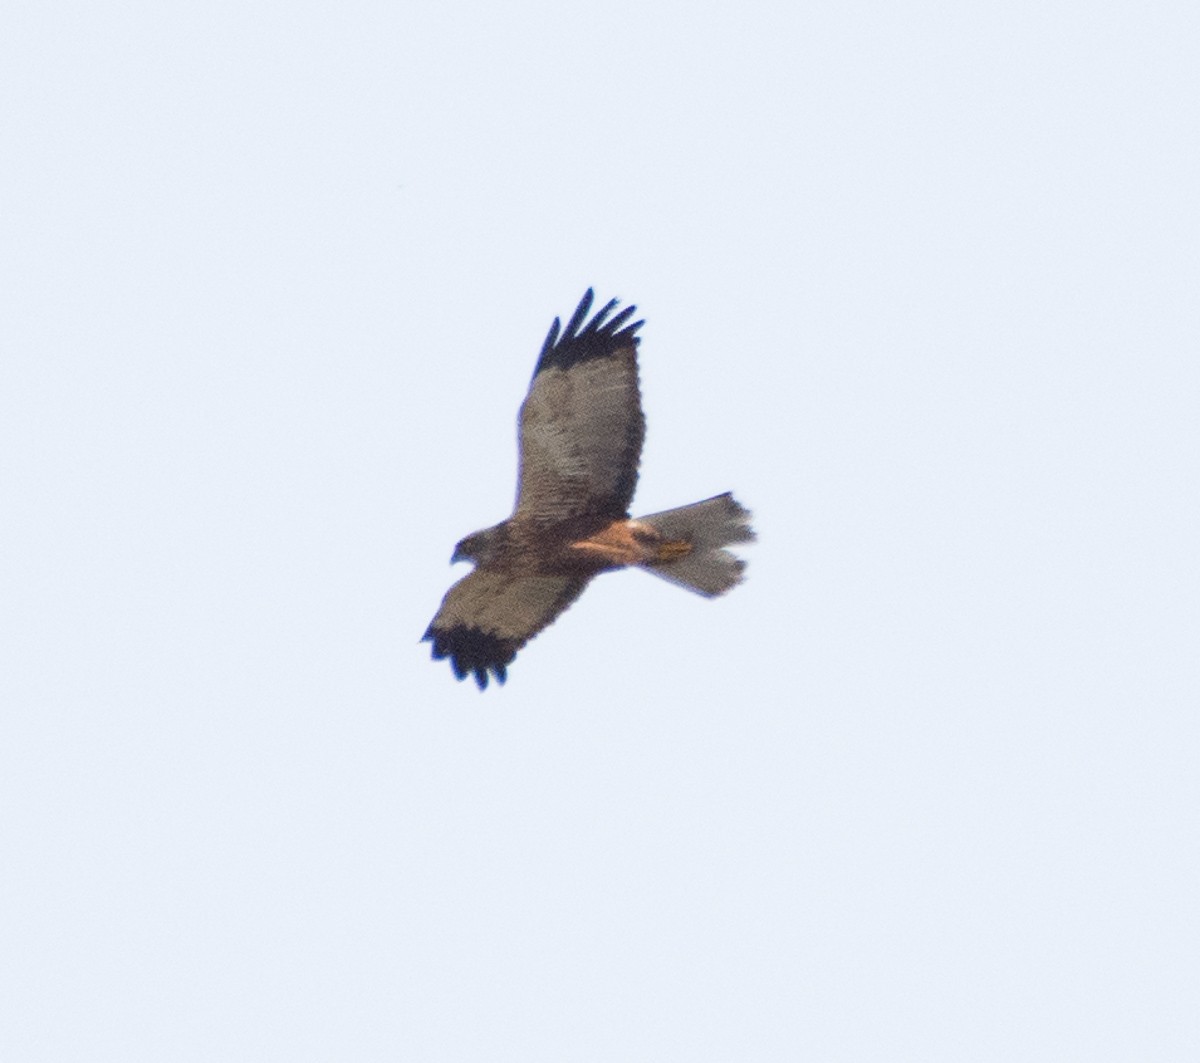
{"points": [[478, 546]]}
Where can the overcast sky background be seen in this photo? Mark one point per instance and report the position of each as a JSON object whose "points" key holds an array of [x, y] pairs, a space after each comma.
{"points": [[920, 285]]}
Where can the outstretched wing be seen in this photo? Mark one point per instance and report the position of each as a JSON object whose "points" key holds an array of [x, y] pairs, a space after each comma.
{"points": [[581, 424], [487, 616]]}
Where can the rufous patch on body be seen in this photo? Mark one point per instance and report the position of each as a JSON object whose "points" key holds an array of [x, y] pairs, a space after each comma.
{"points": [[623, 542], [631, 542]]}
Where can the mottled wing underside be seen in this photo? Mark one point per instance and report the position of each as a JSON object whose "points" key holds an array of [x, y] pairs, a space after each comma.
{"points": [[487, 616], [581, 425]]}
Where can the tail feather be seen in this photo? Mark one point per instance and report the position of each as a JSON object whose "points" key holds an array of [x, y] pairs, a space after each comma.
{"points": [[706, 527]]}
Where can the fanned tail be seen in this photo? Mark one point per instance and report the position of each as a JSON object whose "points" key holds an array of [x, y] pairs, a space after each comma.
{"points": [[692, 553]]}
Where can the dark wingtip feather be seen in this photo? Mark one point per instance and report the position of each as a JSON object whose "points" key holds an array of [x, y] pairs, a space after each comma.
{"points": [[600, 315], [622, 317], [585, 304], [472, 652], [597, 338], [551, 336]]}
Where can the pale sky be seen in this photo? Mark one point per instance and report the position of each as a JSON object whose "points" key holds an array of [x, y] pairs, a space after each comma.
{"points": [[920, 286]]}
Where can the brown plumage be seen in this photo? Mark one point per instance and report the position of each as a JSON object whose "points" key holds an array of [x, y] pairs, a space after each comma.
{"points": [[581, 429]]}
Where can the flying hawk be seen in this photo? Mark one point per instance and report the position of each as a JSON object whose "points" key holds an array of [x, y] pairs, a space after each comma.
{"points": [[581, 430]]}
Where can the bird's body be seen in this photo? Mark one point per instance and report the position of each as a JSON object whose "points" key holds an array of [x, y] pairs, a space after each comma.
{"points": [[581, 432]]}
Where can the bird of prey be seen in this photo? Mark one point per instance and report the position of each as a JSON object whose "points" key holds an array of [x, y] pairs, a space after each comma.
{"points": [[580, 439]]}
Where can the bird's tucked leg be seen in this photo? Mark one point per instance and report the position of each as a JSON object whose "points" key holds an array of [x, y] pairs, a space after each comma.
{"points": [[671, 550]]}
